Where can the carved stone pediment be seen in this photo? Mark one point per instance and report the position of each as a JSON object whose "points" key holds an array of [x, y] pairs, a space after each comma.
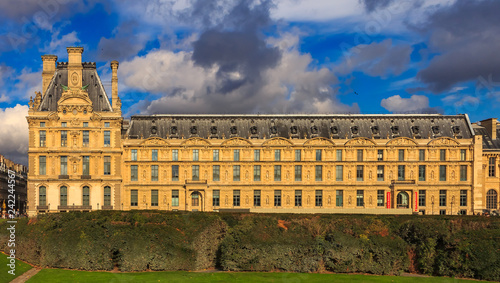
{"points": [[319, 142], [444, 141], [154, 142], [277, 142], [360, 142], [196, 141], [237, 142], [404, 141]]}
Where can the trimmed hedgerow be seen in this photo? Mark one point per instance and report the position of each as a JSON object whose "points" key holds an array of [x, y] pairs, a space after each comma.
{"points": [[151, 240]]}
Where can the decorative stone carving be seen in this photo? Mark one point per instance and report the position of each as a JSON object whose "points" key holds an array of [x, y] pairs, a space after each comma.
{"points": [[444, 141], [236, 142], [320, 141], [277, 142], [360, 142], [401, 141]]}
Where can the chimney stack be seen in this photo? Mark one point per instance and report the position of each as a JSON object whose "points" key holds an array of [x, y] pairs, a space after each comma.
{"points": [[491, 127], [114, 86], [49, 68], [75, 67]]}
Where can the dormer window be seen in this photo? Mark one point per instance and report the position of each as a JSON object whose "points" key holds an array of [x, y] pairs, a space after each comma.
{"points": [[435, 130], [194, 130], [415, 130], [395, 130], [335, 130], [274, 130], [253, 130], [294, 130], [173, 130], [213, 130], [456, 130], [234, 130], [354, 130], [314, 130], [375, 130]]}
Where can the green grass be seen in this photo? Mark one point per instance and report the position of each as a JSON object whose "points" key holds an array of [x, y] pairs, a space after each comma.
{"points": [[58, 275], [21, 268]]}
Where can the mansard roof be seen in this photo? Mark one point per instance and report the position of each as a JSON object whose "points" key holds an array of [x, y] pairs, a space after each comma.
{"points": [[489, 144], [302, 126], [95, 89]]}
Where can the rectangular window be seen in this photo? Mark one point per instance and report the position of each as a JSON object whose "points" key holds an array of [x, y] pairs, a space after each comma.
{"points": [[64, 124], [133, 173], [107, 196], [86, 165], [277, 197], [339, 198], [380, 154], [318, 200], [319, 172], [256, 198], [107, 138], [196, 172], [236, 155], [196, 156], [256, 172], [421, 154], [107, 165], [133, 156], [236, 172], [359, 172], [380, 197], [43, 139], [277, 155], [442, 212], [339, 173], [318, 154], [85, 124], [442, 172], [401, 172], [360, 155], [421, 198], [175, 172], [216, 155], [175, 197], [236, 197], [442, 198], [297, 155], [491, 166], [216, 198], [154, 173], [442, 154], [42, 124], [134, 198], [421, 172], [42, 161], [298, 172], [86, 138], [154, 197], [64, 165], [463, 172], [154, 154], [63, 197], [401, 155], [463, 154], [64, 138], [360, 198], [216, 173], [175, 154], [277, 172], [106, 124], [339, 155], [256, 155], [298, 197], [380, 172], [463, 197]]}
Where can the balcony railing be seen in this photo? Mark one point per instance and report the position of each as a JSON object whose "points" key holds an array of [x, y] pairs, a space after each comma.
{"points": [[74, 207], [107, 207], [63, 176]]}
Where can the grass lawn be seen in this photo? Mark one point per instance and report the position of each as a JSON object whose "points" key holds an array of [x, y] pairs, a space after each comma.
{"points": [[21, 268], [58, 275]]}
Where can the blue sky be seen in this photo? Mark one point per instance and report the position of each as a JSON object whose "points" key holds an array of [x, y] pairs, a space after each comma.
{"points": [[259, 56]]}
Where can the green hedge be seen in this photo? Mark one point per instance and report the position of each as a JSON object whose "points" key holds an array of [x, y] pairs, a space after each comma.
{"points": [[150, 240]]}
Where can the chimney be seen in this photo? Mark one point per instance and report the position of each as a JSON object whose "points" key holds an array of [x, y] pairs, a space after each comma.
{"points": [[75, 67], [49, 68], [491, 127], [114, 86]]}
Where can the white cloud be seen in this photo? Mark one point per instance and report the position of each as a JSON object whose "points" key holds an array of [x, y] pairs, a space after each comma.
{"points": [[14, 133], [316, 10], [292, 86], [398, 104], [4, 98], [58, 45], [27, 83]]}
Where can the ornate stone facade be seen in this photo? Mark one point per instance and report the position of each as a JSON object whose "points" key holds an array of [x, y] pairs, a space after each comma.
{"points": [[91, 159]]}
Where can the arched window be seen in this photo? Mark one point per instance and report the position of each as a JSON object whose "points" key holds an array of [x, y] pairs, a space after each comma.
{"points": [[195, 199], [42, 196], [86, 196], [403, 200], [491, 199], [63, 200], [107, 195]]}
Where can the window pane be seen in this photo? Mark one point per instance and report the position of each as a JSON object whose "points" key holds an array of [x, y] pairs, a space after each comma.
{"points": [[463, 154], [339, 154], [133, 173], [236, 155], [256, 172], [42, 199], [463, 197], [64, 165], [216, 198], [175, 197], [256, 198], [133, 156], [154, 197], [236, 197], [298, 197], [256, 155], [318, 198], [277, 172], [134, 199], [442, 172], [107, 196], [339, 173], [442, 198], [297, 155], [63, 199], [360, 155], [85, 138], [154, 155], [380, 155], [360, 198], [421, 172], [216, 155], [277, 155], [442, 154], [359, 172], [277, 197], [463, 172], [339, 198], [319, 172], [86, 196], [298, 172], [196, 172], [107, 138], [216, 173], [318, 154], [85, 165], [64, 138], [380, 172], [236, 172], [380, 197], [401, 172], [42, 139], [175, 154], [421, 198], [421, 154], [195, 155], [107, 165], [154, 173], [401, 155], [43, 165], [175, 172]]}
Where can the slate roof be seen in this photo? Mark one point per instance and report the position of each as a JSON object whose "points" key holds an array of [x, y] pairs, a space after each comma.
{"points": [[488, 142], [96, 91], [300, 126]]}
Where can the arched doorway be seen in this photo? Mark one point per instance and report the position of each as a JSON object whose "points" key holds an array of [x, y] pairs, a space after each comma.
{"points": [[196, 202], [403, 200], [491, 199]]}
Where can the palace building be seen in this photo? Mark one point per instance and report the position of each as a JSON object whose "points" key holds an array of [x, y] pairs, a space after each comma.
{"points": [[84, 156]]}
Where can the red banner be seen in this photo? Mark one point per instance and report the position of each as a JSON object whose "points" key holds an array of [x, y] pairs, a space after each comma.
{"points": [[388, 200], [416, 201]]}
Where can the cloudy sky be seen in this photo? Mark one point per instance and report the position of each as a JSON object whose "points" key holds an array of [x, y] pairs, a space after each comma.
{"points": [[259, 56]]}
